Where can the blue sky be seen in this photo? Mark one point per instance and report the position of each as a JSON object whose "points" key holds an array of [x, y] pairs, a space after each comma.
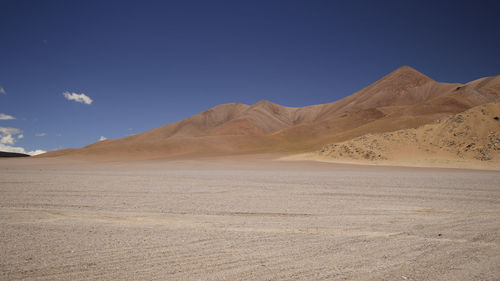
{"points": [[148, 63]]}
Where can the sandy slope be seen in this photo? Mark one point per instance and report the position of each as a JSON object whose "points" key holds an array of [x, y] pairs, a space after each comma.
{"points": [[225, 219], [470, 139], [404, 98]]}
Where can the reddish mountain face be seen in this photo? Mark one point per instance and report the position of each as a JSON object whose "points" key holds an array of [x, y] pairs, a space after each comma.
{"points": [[402, 99]]}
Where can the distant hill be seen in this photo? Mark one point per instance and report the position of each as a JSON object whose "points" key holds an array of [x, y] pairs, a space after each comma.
{"points": [[403, 99], [12, 154]]}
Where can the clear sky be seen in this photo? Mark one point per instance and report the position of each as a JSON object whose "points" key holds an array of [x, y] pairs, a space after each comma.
{"points": [[148, 63]]}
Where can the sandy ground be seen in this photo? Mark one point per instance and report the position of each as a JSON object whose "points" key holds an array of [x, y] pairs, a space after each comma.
{"points": [[418, 161], [246, 220]]}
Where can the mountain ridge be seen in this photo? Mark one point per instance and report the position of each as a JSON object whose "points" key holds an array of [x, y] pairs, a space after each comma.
{"points": [[404, 98]]}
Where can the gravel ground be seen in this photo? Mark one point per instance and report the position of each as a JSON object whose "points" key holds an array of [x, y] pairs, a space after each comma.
{"points": [[237, 219]]}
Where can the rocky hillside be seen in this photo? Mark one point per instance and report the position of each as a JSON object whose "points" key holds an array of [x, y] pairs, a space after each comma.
{"points": [[473, 134]]}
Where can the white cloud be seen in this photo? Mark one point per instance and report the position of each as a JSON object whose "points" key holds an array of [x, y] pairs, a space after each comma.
{"points": [[10, 131], [7, 138], [35, 152], [6, 117], [82, 98], [102, 138], [6, 135], [7, 148], [40, 135], [16, 149], [2, 91]]}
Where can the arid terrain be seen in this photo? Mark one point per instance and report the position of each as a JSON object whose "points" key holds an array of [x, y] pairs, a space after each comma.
{"points": [[249, 140], [216, 197], [469, 139], [247, 218]]}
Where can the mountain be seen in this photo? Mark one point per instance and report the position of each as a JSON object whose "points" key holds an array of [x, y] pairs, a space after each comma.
{"points": [[470, 136], [12, 154], [405, 98]]}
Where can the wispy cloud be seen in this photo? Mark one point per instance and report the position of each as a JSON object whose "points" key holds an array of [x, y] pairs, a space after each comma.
{"points": [[6, 135], [17, 149], [36, 152], [102, 138], [2, 91], [40, 134], [7, 138], [82, 98], [6, 117], [7, 148]]}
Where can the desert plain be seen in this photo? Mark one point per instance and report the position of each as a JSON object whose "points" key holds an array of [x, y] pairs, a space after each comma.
{"points": [[245, 218]]}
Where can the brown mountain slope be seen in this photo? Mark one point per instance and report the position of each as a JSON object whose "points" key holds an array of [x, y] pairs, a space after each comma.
{"points": [[404, 98], [470, 136]]}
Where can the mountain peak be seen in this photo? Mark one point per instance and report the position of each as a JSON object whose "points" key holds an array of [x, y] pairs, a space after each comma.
{"points": [[406, 67], [264, 102], [406, 73]]}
